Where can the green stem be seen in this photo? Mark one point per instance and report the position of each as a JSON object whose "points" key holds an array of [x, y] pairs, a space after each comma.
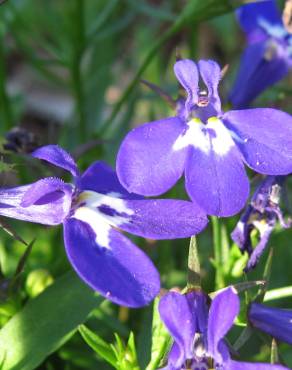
{"points": [[218, 257], [195, 11], [194, 268], [4, 98], [78, 44]]}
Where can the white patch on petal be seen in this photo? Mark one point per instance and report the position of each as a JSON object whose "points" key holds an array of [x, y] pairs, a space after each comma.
{"points": [[193, 136], [99, 221], [196, 137], [100, 227], [223, 141]]}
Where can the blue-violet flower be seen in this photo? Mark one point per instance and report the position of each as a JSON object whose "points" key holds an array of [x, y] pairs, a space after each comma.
{"points": [[267, 58], [260, 215], [198, 332], [274, 321], [91, 210], [210, 146]]}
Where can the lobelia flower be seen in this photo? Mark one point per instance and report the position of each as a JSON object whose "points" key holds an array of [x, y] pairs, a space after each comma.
{"points": [[210, 146], [90, 211], [275, 321], [198, 332], [268, 56], [261, 214]]}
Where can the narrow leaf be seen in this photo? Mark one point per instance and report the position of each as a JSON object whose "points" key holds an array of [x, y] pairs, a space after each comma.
{"points": [[99, 346], [46, 322], [160, 339]]}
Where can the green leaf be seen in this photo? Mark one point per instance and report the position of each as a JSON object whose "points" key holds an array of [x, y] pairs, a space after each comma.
{"points": [[126, 354], [160, 339], [99, 346], [279, 293], [46, 322]]}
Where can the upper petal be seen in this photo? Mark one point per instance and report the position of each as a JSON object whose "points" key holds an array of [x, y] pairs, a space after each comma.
{"points": [[224, 308], [48, 208], [179, 318], [186, 72], [275, 321], [56, 155], [211, 75], [250, 15], [147, 164], [101, 178], [262, 65], [264, 137], [110, 263], [215, 175]]}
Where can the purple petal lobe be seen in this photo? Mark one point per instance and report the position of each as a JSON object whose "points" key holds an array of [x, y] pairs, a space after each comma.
{"points": [[187, 74], [49, 209], [224, 308], [164, 219], [215, 175], [41, 191], [275, 321], [211, 74], [101, 178], [235, 365], [57, 156], [250, 15], [262, 65], [119, 271], [179, 318], [146, 162], [264, 137]]}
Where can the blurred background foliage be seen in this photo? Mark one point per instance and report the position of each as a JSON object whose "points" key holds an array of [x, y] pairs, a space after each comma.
{"points": [[69, 74]]}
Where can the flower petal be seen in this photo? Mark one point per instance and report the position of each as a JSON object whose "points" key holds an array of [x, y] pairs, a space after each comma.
{"points": [[250, 15], [49, 209], [211, 75], [236, 365], [164, 218], [275, 321], [40, 192], [264, 137], [56, 155], [119, 270], [186, 72], [215, 175], [180, 320], [100, 177], [146, 162], [224, 308], [262, 65]]}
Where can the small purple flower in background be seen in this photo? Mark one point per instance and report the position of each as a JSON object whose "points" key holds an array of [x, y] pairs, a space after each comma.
{"points": [[268, 56], [261, 214], [210, 146], [198, 332], [90, 211], [275, 321]]}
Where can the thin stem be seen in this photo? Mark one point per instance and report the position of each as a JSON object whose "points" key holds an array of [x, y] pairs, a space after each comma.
{"points": [[4, 98], [194, 11], [78, 44]]}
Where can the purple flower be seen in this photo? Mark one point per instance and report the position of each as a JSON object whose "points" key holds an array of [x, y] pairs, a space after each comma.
{"points": [[268, 56], [261, 214], [210, 146], [275, 321], [198, 332], [91, 211]]}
